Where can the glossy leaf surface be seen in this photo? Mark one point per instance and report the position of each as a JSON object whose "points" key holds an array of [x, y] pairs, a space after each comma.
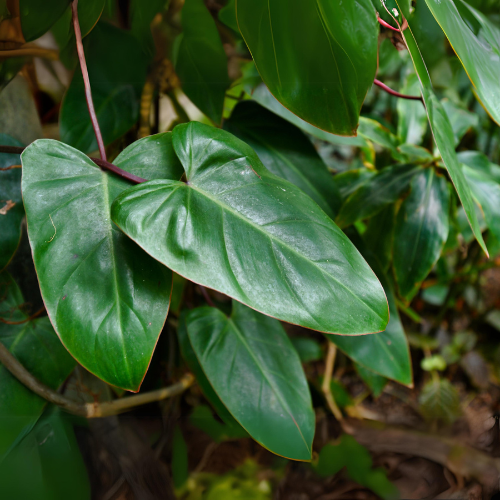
{"points": [[36, 346], [106, 298], [285, 151], [200, 60], [479, 53], [238, 229], [117, 75], [412, 118], [421, 230], [11, 202], [323, 77], [256, 371], [376, 193], [443, 133], [51, 454], [194, 365]]}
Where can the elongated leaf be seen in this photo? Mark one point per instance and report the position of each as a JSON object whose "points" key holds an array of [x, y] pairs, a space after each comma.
{"points": [[117, 75], [51, 454], [285, 151], [194, 365], [106, 298], [487, 194], [256, 371], [479, 53], [200, 60], [350, 181], [37, 17], [323, 77], [238, 229], [376, 193], [36, 346], [11, 202], [443, 132], [227, 15], [421, 230], [461, 120]]}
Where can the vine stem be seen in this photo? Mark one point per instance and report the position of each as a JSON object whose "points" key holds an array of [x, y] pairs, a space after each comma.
{"points": [[101, 163], [387, 89], [327, 378], [85, 74], [386, 25], [89, 410]]}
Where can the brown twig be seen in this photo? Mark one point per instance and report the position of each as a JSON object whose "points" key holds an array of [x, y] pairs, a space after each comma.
{"points": [[89, 410], [387, 89], [3, 169], [325, 386], [101, 163], [33, 316], [85, 74], [53, 55]]}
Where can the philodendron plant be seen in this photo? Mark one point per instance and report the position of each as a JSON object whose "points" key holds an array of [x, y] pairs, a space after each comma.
{"points": [[239, 201]]}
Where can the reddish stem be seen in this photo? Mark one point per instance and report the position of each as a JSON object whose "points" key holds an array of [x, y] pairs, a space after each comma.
{"points": [[383, 86], [85, 74], [386, 25], [33, 316]]}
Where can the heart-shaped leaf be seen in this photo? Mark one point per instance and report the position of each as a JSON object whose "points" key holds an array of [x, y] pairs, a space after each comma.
{"points": [[36, 346], [106, 298], [322, 77], [257, 373], [11, 202], [237, 228]]}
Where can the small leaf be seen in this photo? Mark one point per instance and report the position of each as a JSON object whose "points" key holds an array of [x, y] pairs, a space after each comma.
{"points": [[117, 75], [227, 15], [107, 299], [421, 230], [268, 244], [285, 151], [412, 118], [323, 77], [256, 372], [376, 193], [11, 202], [443, 131], [36, 346], [308, 349], [141, 15], [480, 163], [439, 400], [461, 120], [200, 60]]}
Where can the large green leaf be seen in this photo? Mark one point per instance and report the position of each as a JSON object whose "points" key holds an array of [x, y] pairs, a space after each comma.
{"points": [[479, 52], [442, 132], [237, 228], [386, 353], [285, 151], [117, 75], [421, 230], [107, 299], [412, 118], [376, 193], [36, 346], [322, 77], [200, 60], [257, 373], [51, 454], [11, 202], [38, 17]]}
